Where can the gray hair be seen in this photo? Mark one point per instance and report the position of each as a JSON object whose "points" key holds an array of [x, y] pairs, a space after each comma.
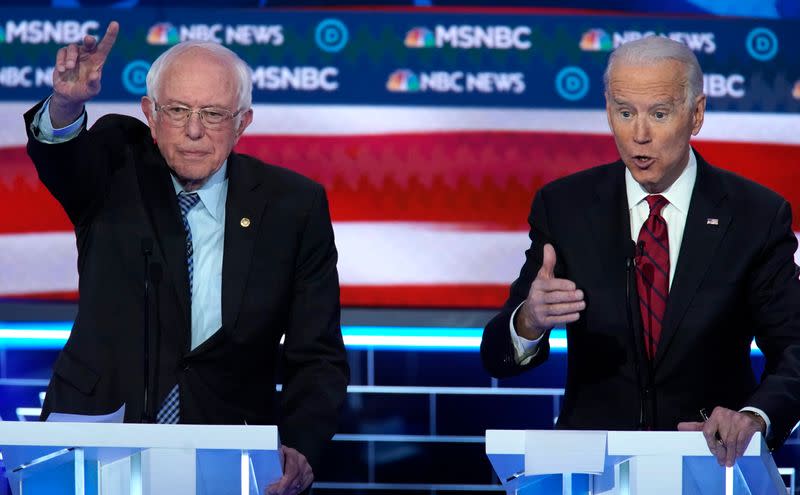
{"points": [[653, 49], [240, 69]]}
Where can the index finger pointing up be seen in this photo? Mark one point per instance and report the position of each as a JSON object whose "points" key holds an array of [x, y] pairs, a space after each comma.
{"points": [[104, 47]]}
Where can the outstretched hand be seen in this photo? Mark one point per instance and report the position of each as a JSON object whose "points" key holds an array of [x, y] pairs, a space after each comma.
{"points": [[551, 301]]}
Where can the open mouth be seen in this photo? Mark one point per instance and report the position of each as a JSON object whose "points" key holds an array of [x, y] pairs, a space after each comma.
{"points": [[643, 161]]}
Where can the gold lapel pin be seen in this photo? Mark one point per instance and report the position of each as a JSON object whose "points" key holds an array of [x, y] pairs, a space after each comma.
{"points": [[244, 222]]}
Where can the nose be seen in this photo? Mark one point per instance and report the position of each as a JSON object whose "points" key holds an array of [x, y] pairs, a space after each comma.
{"points": [[194, 126], [641, 131]]}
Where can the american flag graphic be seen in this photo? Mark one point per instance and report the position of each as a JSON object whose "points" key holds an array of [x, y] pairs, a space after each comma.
{"points": [[429, 205]]}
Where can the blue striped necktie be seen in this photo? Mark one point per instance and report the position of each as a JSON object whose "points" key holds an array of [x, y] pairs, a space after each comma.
{"points": [[170, 411]]}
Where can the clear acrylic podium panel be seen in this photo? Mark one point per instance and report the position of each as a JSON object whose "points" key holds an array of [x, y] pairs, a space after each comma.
{"points": [[649, 463], [133, 459]]}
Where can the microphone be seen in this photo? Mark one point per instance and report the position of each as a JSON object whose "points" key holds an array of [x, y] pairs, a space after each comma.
{"points": [[634, 252], [147, 251], [156, 275]]}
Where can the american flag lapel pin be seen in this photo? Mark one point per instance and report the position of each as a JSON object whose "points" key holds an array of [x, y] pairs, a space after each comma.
{"points": [[712, 221]]}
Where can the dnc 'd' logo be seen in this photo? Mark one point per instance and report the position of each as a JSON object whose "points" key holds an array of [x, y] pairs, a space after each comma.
{"points": [[420, 37], [403, 81], [163, 33], [596, 40]]}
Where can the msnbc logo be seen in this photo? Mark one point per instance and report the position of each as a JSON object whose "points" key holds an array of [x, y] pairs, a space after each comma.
{"points": [[163, 33], [420, 38], [596, 40], [403, 81]]}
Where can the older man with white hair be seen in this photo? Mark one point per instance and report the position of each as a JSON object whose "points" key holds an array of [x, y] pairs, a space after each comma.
{"points": [[194, 261], [663, 269]]}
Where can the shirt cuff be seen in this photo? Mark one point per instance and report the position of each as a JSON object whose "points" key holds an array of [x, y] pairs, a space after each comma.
{"points": [[44, 132], [760, 413], [524, 349]]}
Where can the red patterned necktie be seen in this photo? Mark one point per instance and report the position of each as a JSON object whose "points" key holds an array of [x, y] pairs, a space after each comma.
{"points": [[652, 272]]}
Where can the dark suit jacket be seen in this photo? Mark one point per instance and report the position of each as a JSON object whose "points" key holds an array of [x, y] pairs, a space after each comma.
{"points": [[733, 281], [278, 276]]}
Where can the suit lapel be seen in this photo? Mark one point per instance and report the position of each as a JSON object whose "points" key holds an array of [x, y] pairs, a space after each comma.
{"points": [[611, 233], [161, 205], [700, 242], [243, 211]]}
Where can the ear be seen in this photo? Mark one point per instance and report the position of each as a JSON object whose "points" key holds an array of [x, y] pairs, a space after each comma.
{"points": [[608, 111], [246, 120], [698, 114], [148, 109]]}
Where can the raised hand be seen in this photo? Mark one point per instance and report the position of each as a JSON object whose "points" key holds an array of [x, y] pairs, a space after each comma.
{"points": [[551, 301], [77, 74]]}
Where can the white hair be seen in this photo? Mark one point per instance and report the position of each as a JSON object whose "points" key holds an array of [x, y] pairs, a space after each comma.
{"points": [[239, 68], [653, 49]]}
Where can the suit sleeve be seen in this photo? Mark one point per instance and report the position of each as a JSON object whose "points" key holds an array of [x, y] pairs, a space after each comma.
{"points": [[774, 297], [497, 349], [75, 172], [314, 359]]}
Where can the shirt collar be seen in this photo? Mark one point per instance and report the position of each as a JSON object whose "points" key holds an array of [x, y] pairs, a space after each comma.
{"points": [[679, 194], [211, 192]]}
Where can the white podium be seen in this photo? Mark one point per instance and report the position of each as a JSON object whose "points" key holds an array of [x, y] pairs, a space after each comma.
{"points": [[631, 462], [139, 459]]}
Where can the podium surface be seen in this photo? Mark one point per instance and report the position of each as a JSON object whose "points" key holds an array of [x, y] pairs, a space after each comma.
{"points": [[632, 462], [146, 459]]}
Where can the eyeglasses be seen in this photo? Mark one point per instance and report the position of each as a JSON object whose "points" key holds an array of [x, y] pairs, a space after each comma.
{"points": [[211, 117]]}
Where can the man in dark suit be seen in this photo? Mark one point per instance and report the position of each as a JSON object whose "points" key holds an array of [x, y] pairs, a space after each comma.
{"points": [[663, 268], [235, 255]]}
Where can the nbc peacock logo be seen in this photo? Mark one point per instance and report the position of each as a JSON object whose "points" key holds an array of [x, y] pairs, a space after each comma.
{"points": [[596, 40], [420, 37], [403, 81], [796, 90], [163, 33]]}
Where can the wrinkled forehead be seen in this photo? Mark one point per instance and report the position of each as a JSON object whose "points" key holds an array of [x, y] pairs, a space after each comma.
{"points": [[664, 78]]}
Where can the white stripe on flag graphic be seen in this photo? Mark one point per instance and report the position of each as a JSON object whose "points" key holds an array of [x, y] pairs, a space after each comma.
{"points": [[370, 253], [345, 120], [36, 263]]}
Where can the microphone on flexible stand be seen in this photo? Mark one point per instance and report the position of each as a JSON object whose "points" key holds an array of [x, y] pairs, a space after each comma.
{"points": [[156, 274], [634, 252], [650, 354], [147, 251]]}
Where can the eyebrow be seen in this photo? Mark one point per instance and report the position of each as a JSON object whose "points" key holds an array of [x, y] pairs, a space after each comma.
{"points": [[184, 104], [664, 103]]}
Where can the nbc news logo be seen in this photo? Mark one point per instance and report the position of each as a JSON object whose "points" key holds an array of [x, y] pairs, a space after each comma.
{"points": [[163, 33], [596, 40], [403, 81]]}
